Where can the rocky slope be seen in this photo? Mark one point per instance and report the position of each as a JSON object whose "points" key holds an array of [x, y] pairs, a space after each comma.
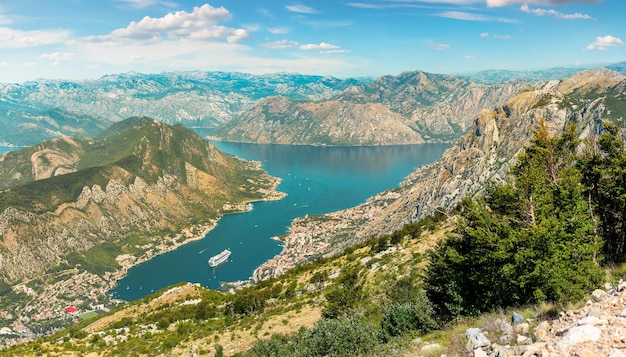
{"points": [[410, 108], [596, 329], [140, 179], [483, 155], [40, 110]]}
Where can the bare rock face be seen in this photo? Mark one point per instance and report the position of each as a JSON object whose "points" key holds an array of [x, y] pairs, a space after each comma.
{"points": [[413, 107], [484, 155]]}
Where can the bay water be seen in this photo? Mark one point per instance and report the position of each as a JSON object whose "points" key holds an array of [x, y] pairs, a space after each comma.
{"points": [[317, 179]]}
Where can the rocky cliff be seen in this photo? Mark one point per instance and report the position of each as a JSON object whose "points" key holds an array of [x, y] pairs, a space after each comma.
{"points": [[138, 182], [410, 108], [483, 155]]}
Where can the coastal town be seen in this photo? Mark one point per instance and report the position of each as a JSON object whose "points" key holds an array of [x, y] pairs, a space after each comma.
{"points": [[34, 309], [315, 236]]}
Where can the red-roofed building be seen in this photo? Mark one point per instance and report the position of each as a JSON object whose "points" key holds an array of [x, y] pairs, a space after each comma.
{"points": [[70, 309]]}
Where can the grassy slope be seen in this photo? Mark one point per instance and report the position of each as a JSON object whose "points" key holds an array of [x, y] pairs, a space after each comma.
{"points": [[163, 323]]}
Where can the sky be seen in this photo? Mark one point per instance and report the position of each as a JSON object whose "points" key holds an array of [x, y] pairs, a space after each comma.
{"points": [[86, 39]]}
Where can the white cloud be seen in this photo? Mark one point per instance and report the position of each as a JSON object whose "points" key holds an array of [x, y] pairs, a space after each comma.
{"points": [[440, 46], [57, 56], [499, 37], [453, 2], [321, 46], [303, 9], [327, 24], [11, 38], [500, 3], [5, 20], [468, 16], [360, 5], [550, 12], [334, 51], [200, 24], [252, 27], [279, 44], [140, 4], [278, 30], [602, 42], [469, 57]]}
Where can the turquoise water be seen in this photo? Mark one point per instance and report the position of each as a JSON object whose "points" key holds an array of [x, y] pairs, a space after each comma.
{"points": [[317, 179]]}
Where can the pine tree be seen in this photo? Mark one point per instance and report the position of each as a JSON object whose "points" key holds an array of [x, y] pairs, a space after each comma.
{"points": [[529, 239]]}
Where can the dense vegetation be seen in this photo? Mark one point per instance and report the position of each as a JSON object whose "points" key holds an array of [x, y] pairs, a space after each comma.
{"points": [[542, 235]]}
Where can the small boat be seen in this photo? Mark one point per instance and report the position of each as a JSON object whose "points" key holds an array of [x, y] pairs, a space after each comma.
{"points": [[220, 258]]}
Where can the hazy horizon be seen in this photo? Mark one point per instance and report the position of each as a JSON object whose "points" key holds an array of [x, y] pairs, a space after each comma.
{"points": [[81, 39]]}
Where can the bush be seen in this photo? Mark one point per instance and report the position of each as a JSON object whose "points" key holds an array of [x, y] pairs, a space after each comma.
{"points": [[399, 318], [346, 337]]}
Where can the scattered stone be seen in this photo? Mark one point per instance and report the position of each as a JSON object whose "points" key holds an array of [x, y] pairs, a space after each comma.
{"points": [[617, 353], [480, 353], [608, 286], [504, 351], [536, 349], [594, 312], [577, 335], [521, 339], [517, 319], [623, 314], [591, 320], [599, 295], [621, 286], [542, 330], [585, 352], [612, 292], [417, 341], [522, 328], [506, 331], [476, 339], [430, 347]]}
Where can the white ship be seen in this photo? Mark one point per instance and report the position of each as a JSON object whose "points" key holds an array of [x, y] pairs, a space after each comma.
{"points": [[219, 259]]}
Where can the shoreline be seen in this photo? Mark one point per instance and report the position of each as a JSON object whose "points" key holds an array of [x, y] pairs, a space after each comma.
{"points": [[92, 293], [173, 243]]}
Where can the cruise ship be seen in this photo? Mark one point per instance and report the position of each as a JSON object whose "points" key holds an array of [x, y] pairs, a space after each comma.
{"points": [[219, 259]]}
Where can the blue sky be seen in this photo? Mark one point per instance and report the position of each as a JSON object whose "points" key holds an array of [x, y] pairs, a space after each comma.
{"points": [[84, 39]]}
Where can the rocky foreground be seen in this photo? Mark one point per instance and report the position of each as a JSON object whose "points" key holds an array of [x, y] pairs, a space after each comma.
{"points": [[597, 329]]}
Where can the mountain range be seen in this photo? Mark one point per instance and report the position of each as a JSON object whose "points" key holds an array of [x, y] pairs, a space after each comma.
{"points": [[40, 110], [411, 107]]}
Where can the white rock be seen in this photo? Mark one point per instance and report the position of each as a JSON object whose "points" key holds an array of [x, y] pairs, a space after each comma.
{"points": [[576, 335], [480, 353], [617, 353], [430, 347], [541, 331], [591, 320], [476, 339], [599, 295], [522, 328]]}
